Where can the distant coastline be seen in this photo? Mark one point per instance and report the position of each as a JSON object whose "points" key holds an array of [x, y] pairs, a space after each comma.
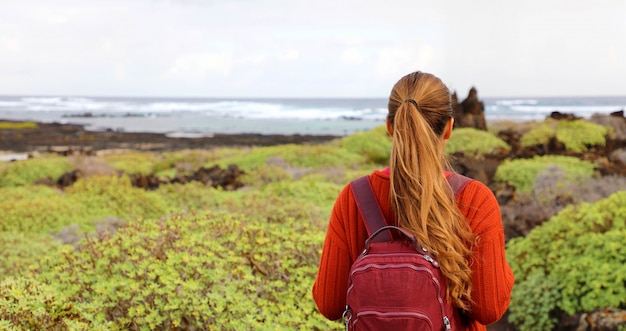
{"points": [[197, 117], [16, 144]]}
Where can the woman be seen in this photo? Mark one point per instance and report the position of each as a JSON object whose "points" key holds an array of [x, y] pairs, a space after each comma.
{"points": [[465, 235]]}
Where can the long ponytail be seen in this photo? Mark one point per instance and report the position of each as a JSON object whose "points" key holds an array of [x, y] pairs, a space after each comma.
{"points": [[419, 110]]}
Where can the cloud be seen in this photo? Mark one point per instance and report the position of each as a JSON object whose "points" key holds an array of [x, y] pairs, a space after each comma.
{"points": [[352, 56], [55, 14], [393, 62], [289, 55], [197, 66], [10, 44], [260, 47]]}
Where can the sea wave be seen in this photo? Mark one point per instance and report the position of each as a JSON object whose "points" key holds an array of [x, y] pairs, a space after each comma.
{"points": [[579, 110], [87, 107], [514, 102], [200, 116]]}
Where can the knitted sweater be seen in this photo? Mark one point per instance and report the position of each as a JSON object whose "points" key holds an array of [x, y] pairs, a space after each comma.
{"points": [[492, 278]]}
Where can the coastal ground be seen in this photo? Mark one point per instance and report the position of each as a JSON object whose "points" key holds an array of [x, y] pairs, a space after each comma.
{"points": [[72, 138], [520, 212]]}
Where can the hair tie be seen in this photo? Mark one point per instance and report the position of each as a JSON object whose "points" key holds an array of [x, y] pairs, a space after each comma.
{"points": [[413, 102]]}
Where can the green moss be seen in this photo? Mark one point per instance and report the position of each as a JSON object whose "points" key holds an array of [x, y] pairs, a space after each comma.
{"points": [[303, 196], [473, 142], [522, 173], [4, 125], [305, 156], [575, 262], [19, 251], [193, 196], [42, 210], [182, 162], [28, 171], [133, 162], [34, 209], [111, 196], [375, 144]]}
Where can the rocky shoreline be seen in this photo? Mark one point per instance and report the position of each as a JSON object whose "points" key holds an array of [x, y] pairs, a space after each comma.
{"points": [[73, 138]]}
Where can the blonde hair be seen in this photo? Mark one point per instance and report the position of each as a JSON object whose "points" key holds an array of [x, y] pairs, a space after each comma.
{"points": [[419, 110]]}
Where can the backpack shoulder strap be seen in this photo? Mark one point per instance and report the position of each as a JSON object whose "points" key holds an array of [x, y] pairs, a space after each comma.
{"points": [[369, 208], [458, 183]]}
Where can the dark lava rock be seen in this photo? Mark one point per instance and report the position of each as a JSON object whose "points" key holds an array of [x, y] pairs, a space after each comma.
{"points": [[470, 113]]}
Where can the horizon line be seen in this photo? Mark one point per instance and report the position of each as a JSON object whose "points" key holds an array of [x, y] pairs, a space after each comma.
{"points": [[285, 97]]}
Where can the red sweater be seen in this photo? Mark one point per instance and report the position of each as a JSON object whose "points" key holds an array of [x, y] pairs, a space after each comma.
{"points": [[492, 278]]}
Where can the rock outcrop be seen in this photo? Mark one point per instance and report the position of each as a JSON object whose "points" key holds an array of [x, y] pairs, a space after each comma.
{"points": [[470, 113], [228, 179]]}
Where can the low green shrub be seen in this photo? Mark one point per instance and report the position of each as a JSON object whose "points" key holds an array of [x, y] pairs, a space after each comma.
{"points": [[304, 156], [27, 304], [103, 196], [308, 200], [539, 135], [575, 135], [522, 173], [374, 144], [28, 171], [194, 197], [19, 251], [574, 263], [269, 174], [42, 210], [473, 142], [35, 209], [183, 162], [218, 271], [313, 189], [133, 162]]}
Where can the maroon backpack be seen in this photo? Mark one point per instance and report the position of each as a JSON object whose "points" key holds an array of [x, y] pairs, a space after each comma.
{"points": [[395, 284]]}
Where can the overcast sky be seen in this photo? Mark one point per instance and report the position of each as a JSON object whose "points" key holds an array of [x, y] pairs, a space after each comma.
{"points": [[314, 48]]}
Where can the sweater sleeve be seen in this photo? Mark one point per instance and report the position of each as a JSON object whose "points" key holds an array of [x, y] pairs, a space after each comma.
{"points": [[329, 289], [492, 278]]}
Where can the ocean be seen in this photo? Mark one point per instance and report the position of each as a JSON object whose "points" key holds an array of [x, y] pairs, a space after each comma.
{"points": [[193, 117]]}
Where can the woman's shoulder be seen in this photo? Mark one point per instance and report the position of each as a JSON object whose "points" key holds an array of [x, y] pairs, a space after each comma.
{"points": [[476, 190], [480, 206]]}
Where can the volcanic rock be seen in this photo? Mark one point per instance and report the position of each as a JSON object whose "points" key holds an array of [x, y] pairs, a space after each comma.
{"points": [[470, 113]]}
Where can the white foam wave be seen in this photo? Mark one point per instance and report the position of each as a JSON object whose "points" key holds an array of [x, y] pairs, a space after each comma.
{"points": [[73, 106], [514, 102], [567, 109]]}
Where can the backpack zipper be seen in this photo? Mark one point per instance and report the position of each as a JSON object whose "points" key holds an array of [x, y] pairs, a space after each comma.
{"points": [[426, 257], [391, 314]]}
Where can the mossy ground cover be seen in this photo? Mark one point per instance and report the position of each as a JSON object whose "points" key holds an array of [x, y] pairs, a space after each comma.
{"points": [[189, 256], [522, 173], [577, 135], [574, 263], [5, 125], [473, 142], [192, 257], [27, 171]]}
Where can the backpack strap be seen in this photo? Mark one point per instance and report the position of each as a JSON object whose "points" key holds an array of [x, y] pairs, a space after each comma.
{"points": [[457, 183], [370, 210]]}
